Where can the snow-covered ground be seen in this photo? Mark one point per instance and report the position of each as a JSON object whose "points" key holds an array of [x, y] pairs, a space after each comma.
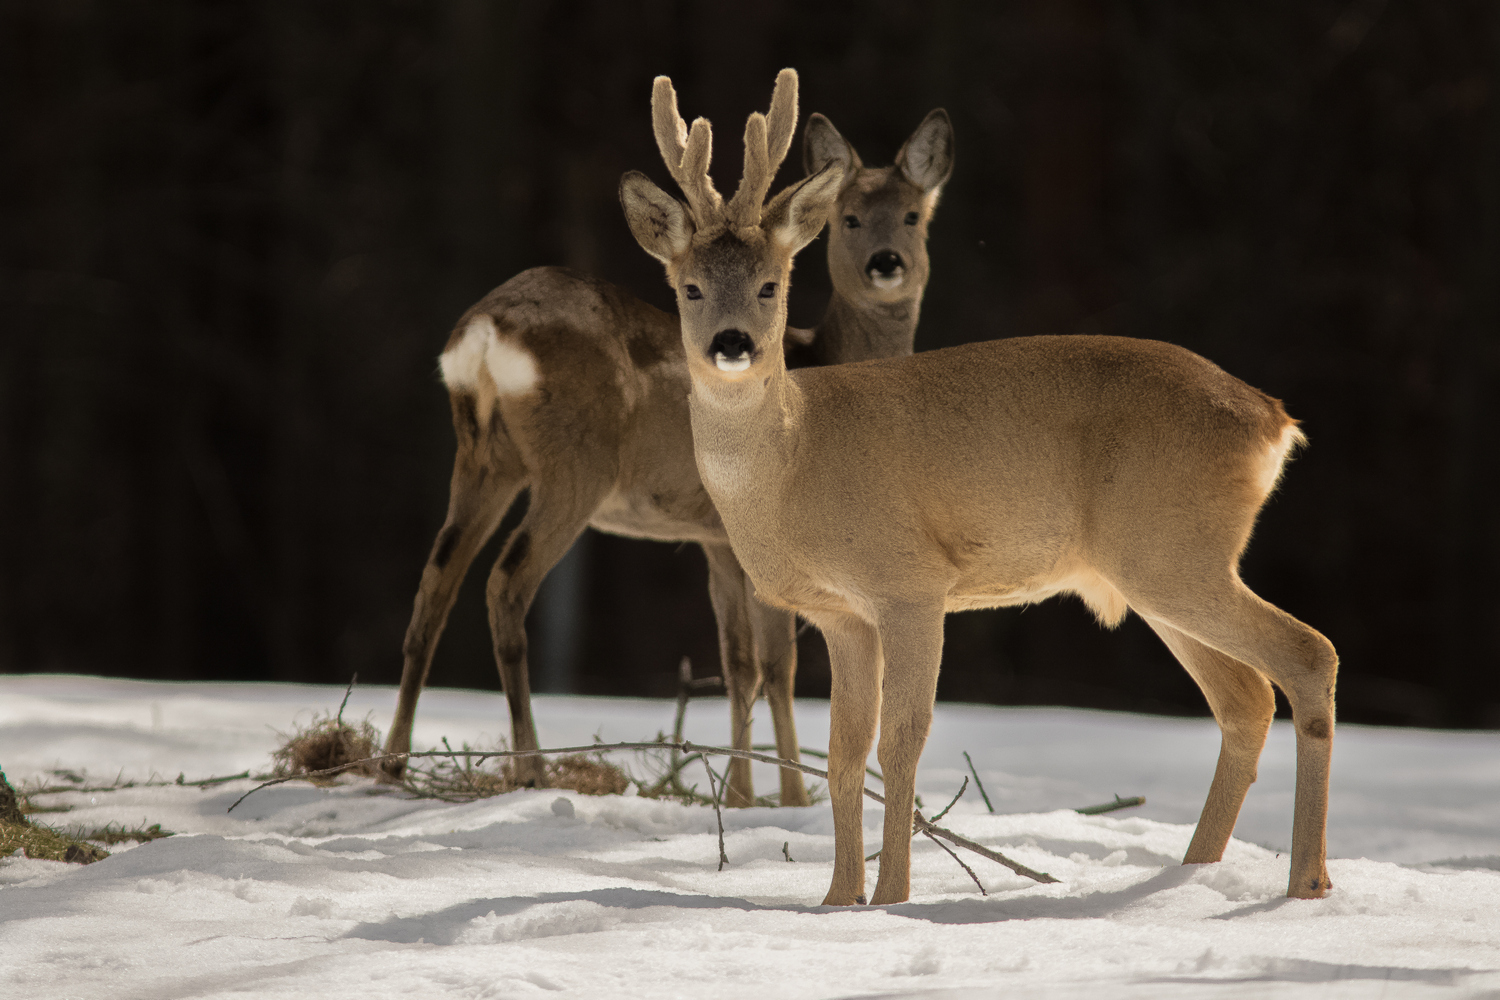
{"points": [[356, 892]]}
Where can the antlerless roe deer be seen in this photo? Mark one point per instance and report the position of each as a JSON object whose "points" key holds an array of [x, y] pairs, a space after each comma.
{"points": [[874, 497], [577, 390]]}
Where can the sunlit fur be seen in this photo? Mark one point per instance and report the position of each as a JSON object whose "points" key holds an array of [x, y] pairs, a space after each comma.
{"points": [[888, 492]]}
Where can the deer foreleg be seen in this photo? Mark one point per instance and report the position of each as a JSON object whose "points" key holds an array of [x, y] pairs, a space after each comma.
{"points": [[911, 640], [854, 708]]}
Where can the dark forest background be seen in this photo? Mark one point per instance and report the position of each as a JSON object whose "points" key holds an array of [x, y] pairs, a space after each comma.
{"points": [[235, 237]]}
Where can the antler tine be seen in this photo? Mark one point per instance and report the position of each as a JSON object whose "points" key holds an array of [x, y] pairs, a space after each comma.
{"points": [[666, 121], [767, 139], [696, 184], [744, 207], [781, 120], [686, 151]]}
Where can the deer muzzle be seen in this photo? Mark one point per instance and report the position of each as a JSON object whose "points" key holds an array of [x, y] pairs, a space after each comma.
{"points": [[732, 350], [886, 269]]}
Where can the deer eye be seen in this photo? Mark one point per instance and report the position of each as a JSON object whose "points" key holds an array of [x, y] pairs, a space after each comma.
{"points": [[911, 218], [692, 291], [768, 290], [850, 222]]}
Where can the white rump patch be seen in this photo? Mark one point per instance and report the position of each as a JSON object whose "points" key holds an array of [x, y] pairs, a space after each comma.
{"points": [[511, 367], [460, 363], [739, 364]]}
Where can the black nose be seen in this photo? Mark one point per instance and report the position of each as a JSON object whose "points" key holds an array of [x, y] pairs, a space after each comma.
{"points": [[733, 344], [884, 263]]}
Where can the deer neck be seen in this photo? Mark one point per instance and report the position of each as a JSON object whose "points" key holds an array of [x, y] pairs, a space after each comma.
{"points": [[744, 433], [857, 331]]}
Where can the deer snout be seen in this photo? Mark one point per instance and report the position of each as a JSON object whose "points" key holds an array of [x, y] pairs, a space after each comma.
{"points": [[886, 269], [732, 350]]}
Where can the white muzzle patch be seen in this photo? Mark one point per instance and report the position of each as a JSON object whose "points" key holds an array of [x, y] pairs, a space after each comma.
{"points": [[739, 364], [886, 282]]}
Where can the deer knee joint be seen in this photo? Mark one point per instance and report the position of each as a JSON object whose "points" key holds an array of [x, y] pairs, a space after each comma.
{"points": [[520, 548], [1317, 729], [447, 541]]}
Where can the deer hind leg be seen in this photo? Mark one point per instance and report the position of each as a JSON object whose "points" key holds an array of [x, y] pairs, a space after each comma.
{"points": [[776, 650], [854, 709], [556, 516], [911, 641], [1243, 704], [1229, 618], [485, 481], [729, 590]]}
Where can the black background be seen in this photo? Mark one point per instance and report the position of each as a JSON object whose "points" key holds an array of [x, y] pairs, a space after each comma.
{"points": [[235, 237]]}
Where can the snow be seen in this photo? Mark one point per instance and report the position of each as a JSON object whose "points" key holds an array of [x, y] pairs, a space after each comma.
{"points": [[354, 891]]}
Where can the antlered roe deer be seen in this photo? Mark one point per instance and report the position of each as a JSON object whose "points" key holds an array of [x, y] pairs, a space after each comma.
{"points": [[872, 498], [577, 390]]}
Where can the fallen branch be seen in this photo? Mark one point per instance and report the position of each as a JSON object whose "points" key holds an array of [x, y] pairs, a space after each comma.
{"points": [[119, 785], [821, 755], [1118, 803], [686, 747], [941, 813], [960, 861]]}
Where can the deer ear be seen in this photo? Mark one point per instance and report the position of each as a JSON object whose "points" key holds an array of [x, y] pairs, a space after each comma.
{"points": [[796, 216], [821, 143], [660, 223], [927, 157]]}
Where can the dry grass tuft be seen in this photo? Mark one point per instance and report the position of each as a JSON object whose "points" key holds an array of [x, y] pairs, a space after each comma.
{"points": [[460, 779], [328, 742], [586, 775], [46, 844], [17, 833]]}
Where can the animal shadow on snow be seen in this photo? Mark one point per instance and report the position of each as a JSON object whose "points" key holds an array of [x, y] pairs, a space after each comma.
{"points": [[1298, 970], [445, 925]]}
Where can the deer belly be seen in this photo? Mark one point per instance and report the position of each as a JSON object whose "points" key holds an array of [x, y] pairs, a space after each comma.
{"points": [[657, 518]]}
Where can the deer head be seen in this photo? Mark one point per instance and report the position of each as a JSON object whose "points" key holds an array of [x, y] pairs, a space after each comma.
{"points": [[729, 262], [877, 249]]}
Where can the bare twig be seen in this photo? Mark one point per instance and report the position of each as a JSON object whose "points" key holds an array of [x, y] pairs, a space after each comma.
{"points": [[718, 795], [463, 772], [960, 861], [686, 685], [686, 746], [156, 782], [677, 768], [923, 825], [821, 755], [985, 852], [977, 783], [1118, 803], [684, 678], [339, 718], [786, 849], [961, 789]]}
